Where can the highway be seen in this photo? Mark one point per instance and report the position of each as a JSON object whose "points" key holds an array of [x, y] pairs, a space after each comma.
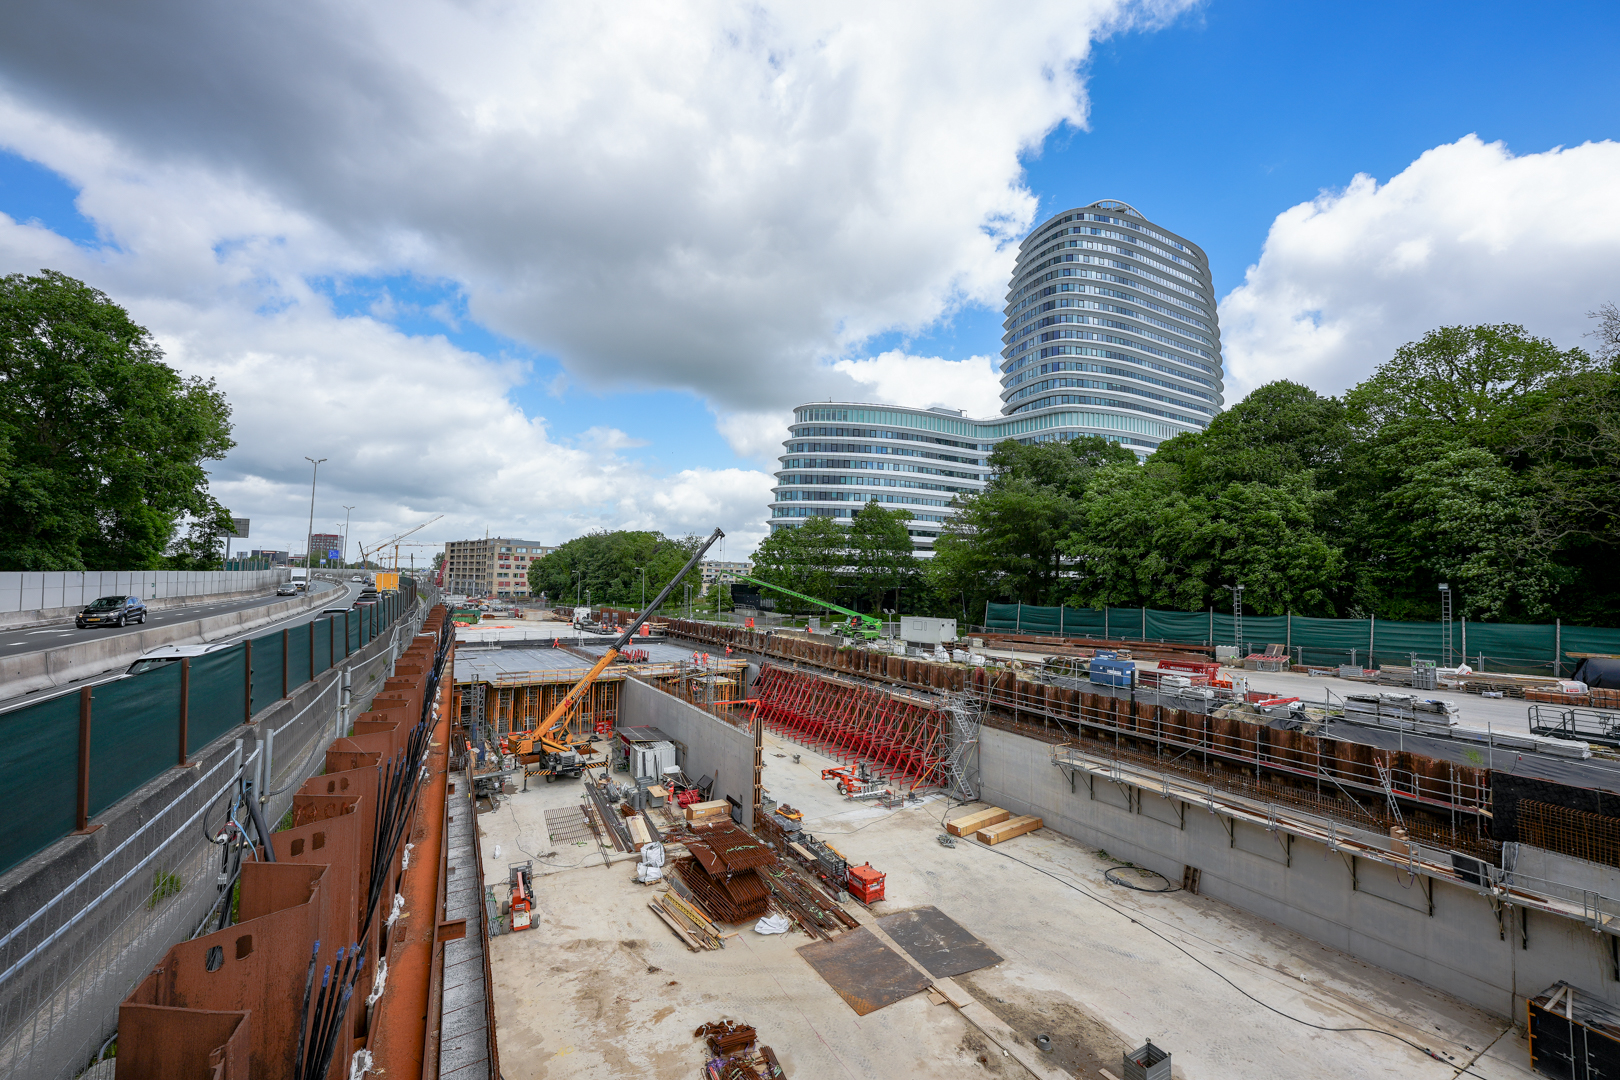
{"points": [[342, 596], [13, 642]]}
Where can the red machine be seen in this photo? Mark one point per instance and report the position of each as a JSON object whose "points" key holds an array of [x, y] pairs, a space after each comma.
{"points": [[522, 878], [866, 884], [855, 784]]}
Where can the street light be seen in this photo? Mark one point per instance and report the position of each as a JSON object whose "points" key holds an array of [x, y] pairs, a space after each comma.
{"points": [[309, 541], [1237, 615], [346, 511], [578, 585]]}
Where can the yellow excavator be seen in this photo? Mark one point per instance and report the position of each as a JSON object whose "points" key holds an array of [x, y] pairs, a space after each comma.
{"points": [[547, 745]]}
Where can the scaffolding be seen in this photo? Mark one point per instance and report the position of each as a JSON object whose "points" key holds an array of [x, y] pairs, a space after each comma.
{"points": [[962, 764]]}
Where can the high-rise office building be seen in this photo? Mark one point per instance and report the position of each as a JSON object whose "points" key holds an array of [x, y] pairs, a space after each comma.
{"points": [[1110, 330]]}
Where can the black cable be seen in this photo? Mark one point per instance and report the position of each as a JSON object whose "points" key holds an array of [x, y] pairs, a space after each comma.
{"points": [[1108, 875], [1212, 970]]}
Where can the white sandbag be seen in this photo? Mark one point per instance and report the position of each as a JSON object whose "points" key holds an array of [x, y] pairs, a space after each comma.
{"points": [[773, 924]]}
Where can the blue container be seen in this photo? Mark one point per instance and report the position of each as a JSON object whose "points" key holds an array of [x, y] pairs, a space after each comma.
{"points": [[1113, 672], [1105, 654]]}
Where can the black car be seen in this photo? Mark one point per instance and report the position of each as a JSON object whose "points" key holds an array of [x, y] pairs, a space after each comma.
{"points": [[112, 611]]}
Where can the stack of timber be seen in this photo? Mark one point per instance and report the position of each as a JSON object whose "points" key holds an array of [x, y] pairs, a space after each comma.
{"points": [[721, 870], [1006, 830], [972, 823], [689, 924]]}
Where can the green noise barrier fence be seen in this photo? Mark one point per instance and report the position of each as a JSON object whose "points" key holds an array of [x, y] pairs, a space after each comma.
{"points": [[1524, 648], [68, 758]]}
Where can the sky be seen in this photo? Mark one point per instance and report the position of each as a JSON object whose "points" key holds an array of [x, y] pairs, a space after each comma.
{"points": [[548, 268]]}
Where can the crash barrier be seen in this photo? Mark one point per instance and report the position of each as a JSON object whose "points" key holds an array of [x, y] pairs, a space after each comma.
{"points": [[49, 590], [77, 754], [1531, 648]]}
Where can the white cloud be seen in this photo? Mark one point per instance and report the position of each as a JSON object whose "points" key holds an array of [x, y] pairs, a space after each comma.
{"points": [[925, 382], [726, 198], [1467, 233]]}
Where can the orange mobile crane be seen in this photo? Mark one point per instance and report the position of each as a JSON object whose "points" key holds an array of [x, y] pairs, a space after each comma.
{"points": [[547, 745]]}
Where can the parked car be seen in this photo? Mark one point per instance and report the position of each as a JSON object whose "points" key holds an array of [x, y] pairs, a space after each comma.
{"points": [[112, 611], [169, 654], [288, 589]]}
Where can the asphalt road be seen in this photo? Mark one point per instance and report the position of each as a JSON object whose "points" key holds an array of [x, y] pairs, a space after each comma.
{"points": [[338, 597], [13, 642]]}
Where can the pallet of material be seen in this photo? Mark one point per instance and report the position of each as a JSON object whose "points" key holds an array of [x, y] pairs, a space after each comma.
{"points": [[701, 811], [1006, 830], [967, 826]]}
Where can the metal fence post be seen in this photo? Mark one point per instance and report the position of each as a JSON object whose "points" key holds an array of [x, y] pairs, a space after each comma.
{"points": [[185, 708], [1558, 648], [286, 638], [347, 652], [311, 625], [269, 762], [247, 681], [82, 825]]}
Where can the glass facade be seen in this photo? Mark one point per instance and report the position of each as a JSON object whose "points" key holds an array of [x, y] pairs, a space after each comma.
{"points": [[1110, 330]]}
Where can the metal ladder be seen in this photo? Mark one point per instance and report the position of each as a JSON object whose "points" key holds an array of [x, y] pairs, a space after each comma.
{"points": [[966, 716]]}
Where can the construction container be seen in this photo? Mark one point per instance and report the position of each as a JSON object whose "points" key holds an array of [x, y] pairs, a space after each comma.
{"points": [[1113, 672], [866, 884], [1147, 1063]]}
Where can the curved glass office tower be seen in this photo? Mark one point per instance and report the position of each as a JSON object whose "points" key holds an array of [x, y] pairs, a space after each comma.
{"points": [[1110, 330]]}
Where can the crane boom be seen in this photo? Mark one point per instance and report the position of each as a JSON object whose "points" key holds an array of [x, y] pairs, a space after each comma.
{"points": [[545, 735], [396, 539], [867, 622]]}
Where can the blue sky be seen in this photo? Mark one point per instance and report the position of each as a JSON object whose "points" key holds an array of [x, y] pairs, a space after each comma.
{"points": [[1212, 125]]}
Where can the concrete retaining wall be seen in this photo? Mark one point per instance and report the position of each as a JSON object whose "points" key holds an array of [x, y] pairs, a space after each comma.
{"points": [[33, 597], [1433, 931], [713, 747], [24, 673]]}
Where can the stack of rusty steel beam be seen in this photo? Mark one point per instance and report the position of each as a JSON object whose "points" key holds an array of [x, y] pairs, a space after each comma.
{"points": [[721, 871], [331, 957]]}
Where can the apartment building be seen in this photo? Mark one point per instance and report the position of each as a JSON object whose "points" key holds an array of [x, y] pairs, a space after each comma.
{"points": [[495, 566]]}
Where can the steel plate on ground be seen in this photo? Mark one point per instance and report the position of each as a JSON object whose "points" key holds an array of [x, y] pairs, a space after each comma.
{"points": [[864, 971], [938, 942]]}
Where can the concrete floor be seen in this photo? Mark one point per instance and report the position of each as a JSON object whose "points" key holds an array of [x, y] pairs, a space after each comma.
{"points": [[603, 989]]}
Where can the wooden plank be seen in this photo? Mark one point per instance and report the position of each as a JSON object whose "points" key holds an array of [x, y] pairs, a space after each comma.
{"points": [[638, 832], [680, 933], [1018, 826], [972, 823]]}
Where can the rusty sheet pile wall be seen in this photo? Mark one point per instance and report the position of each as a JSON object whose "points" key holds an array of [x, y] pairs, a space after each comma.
{"points": [[1439, 801], [328, 955]]}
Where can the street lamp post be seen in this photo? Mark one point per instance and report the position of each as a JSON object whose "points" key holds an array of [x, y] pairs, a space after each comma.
{"points": [[309, 541], [578, 585], [346, 511]]}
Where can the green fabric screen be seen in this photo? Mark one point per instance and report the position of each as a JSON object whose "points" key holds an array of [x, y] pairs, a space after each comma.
{"points": [[1516, 647], [298, 672], [39, 753], [134, 732], [267, 671], [216, 696]]}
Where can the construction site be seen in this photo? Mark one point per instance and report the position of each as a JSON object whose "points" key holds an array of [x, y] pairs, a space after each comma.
{"points": [[612, 845]]}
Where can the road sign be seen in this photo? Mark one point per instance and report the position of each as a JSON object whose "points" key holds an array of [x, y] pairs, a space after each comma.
{"points": [[332, 554], [239, 528]]}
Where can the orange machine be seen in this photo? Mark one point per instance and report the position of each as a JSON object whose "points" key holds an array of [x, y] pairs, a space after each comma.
{"points": [[866, 884], [522, 876]]}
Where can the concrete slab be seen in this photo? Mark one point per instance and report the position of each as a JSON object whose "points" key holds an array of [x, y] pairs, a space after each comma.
{"points": [[603, 989]]}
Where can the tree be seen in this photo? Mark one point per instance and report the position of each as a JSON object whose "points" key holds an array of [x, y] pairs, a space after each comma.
{"points": [[807, 558], [1006, 541], [880, 544], [102, 445], [606, 566]]}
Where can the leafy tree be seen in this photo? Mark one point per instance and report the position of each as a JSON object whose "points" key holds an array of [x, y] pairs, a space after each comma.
{"points": [[605, 566], [1006, 541], [882, 554], [807, 558], [102, 445]]}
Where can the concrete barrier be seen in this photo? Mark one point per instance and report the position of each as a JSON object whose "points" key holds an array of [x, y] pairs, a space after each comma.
{"points": [[26, 673]]}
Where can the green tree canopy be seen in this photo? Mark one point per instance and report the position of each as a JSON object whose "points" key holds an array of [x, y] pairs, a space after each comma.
{"points": [[102, 445], [606, 567]]}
